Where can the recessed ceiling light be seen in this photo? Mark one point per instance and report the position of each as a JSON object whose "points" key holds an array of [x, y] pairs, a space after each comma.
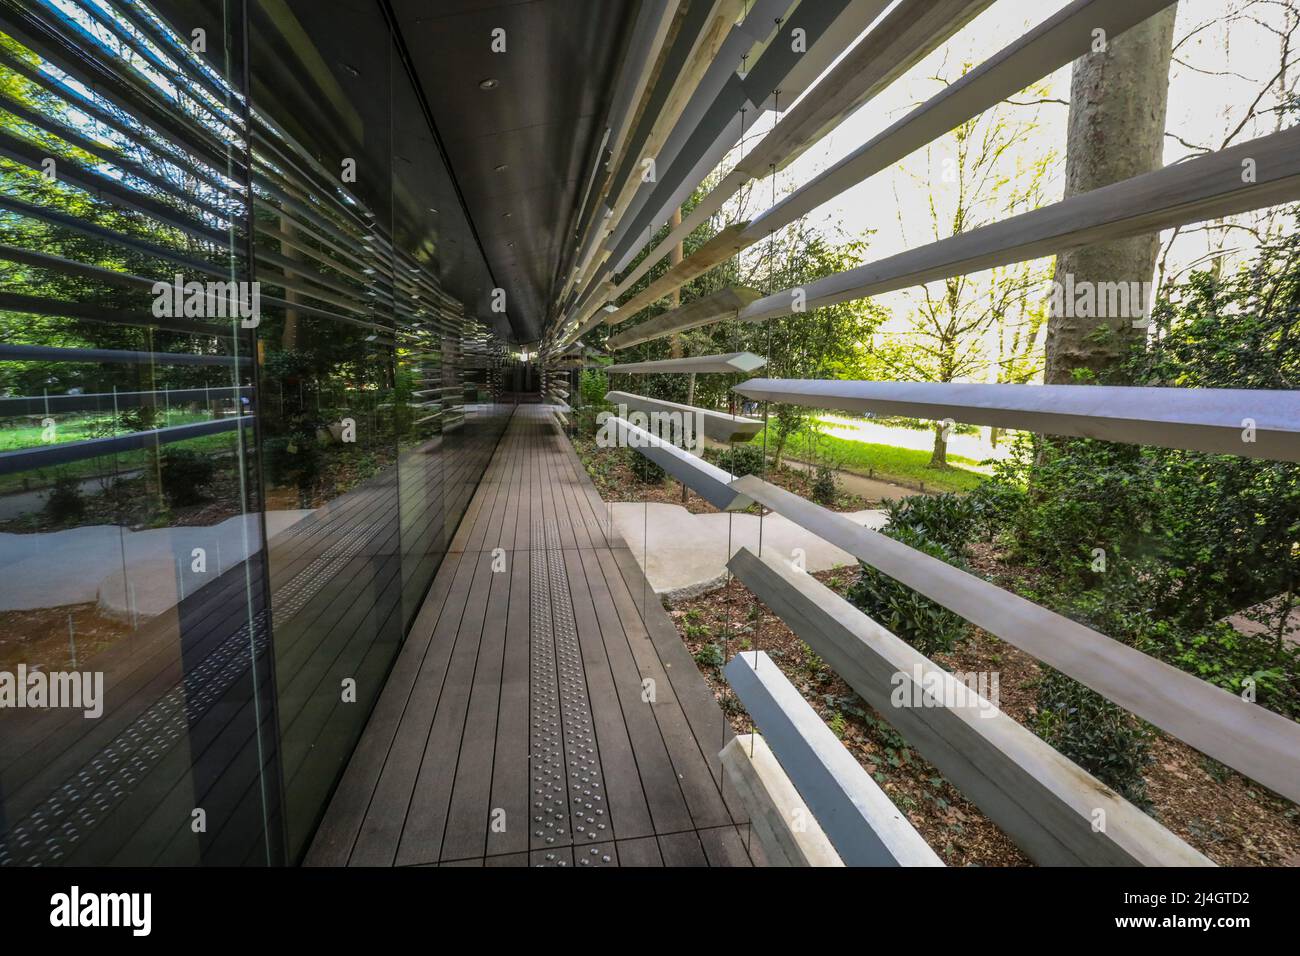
{"points": [[506, 215], [488, 84], [502, 168]]}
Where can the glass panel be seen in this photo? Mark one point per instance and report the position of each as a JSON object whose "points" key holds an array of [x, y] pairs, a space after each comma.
{"points": [[325, 252], [235, 439], [130, 526]]}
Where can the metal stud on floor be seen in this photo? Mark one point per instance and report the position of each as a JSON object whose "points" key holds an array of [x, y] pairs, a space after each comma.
{"points": [[565, 773]]}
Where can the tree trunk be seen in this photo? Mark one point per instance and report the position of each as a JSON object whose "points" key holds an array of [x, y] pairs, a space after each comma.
{"points": [[1118, 101], [939, 457]]}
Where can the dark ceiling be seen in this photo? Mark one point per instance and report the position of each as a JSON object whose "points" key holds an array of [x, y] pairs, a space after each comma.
{"points": [[330, 73], [542, 122]]}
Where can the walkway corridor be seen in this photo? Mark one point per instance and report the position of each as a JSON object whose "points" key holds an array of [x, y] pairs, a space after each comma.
{"points": [[543, 710]]}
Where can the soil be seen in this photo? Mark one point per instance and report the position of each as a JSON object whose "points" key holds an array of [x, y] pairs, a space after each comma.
{"points": [[1230, 819], [47, 636]]}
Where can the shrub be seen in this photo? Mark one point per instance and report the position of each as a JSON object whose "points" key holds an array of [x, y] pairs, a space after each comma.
{"points": [[947, 520], [1100, 737], [709, 655], [741, 460], [825, 489], [994, 503], [593, 383], [927, 626], [65, 502], [646, 471], [184, 475]]}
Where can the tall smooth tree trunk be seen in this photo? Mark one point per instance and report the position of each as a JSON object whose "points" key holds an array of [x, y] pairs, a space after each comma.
{"points": [[1118, 102]]}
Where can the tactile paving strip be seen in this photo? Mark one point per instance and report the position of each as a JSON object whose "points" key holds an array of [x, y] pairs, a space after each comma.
{"points": [[63, 819], [567, 788]]}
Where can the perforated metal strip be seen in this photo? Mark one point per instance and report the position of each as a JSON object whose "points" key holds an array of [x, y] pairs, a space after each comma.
{"points": [[568, 804]]}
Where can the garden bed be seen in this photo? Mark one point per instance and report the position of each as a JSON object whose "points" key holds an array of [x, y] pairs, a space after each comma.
{"points": [[1230, 819]]}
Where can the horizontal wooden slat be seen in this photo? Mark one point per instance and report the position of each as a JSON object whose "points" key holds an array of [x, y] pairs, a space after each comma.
{"points": [[720, 305], [731, 362], [1208, 187], [1052, 44], [1247, 737], [1054, 811], [780, 820], [719, 248], [862, 823], [716, 425], [708, 481], [1255, 423]]}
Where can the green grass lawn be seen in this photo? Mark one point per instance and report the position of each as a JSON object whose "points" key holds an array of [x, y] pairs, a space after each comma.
{"points": [[907, 466], [81, 428]]}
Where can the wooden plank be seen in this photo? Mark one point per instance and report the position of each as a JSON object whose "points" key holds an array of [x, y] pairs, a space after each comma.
{"points": [[381, 827], [643, 851], [698, 786], [626, 796], [1053, 810], [682, 849], [470, 815], [426, 817], [510, 766], [723, 846], [629, 589]]}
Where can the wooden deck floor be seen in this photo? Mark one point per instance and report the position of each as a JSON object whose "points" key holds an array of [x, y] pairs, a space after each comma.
{"points": [[543, 709]]}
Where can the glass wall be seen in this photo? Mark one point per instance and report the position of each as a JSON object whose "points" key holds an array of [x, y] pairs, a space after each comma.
{"points": [[244, 402]]}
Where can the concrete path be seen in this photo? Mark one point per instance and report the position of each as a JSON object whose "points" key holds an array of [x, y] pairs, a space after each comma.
{"points": [[129, 573], [686, 554], [872, 489]]}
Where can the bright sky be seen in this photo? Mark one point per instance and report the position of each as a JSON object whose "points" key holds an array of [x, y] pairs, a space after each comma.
{"points": [[1223, 68]]}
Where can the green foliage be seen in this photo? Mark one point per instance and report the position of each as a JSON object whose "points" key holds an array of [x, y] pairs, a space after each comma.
{"points": [[787, 421], [593, 384], [739, 460], [292, 460], [710, 655], [185, 473], [907, 466], [1187, 538], [925, 625], [947, 519], [993, 504], [825, 487], [1100, 737], [65, 503], [646, 471]]}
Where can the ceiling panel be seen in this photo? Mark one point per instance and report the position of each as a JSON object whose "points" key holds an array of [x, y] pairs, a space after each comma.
{"points": [[541, 121]]}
